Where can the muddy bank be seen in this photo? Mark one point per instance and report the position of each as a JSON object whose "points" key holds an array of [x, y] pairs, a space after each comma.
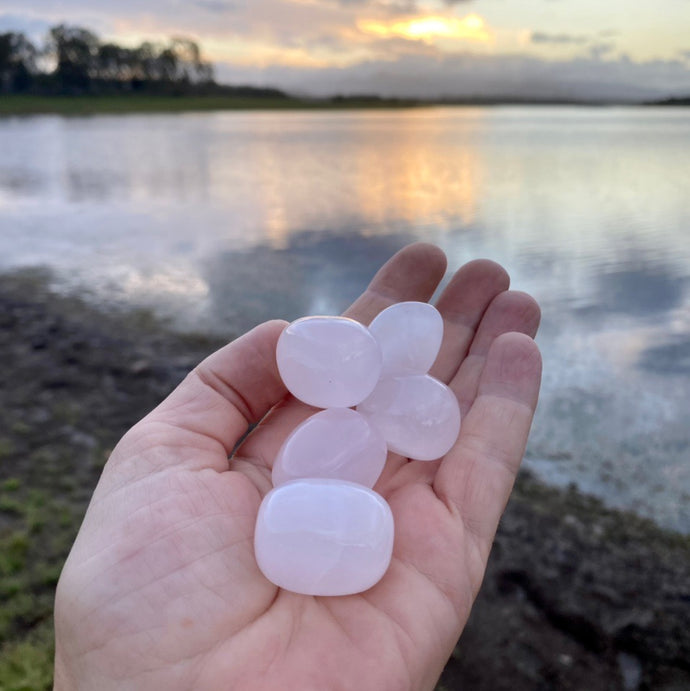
{"points": [[576, 596]]}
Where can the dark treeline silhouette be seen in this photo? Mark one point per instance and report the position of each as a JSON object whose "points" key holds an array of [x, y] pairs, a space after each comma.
{"points": [[74, 61]]}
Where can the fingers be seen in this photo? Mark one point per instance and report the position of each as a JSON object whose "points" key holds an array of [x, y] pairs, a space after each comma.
{"points": [[462, 305], [476, 477], [411, 274], [229, 390], [508, 311]]}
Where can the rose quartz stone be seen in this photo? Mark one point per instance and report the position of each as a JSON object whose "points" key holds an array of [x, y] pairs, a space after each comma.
{"points": [[328, 362], [323, 537], [337, 443], [418, 415], [410, 335]]}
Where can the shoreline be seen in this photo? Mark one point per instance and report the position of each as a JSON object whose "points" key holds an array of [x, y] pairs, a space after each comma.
{"points": [[576, 595], [22, 104], [15, 105]]}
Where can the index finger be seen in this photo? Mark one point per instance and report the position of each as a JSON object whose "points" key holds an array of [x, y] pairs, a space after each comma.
{"points": [[413, 273]]}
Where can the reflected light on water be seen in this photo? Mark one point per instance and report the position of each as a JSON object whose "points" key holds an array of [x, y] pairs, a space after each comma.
{"points": [[375, 170], [227, 219], [170, 283]]}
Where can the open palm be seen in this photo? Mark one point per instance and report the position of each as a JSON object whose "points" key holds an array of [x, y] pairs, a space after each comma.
{"points": [[161, 589]]}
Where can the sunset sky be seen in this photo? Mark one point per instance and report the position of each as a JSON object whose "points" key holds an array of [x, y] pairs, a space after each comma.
{"points": [[429, 48]]}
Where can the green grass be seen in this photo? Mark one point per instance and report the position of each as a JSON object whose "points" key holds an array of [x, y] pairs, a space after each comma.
{"points": [[6, 447], [13, 549], [12, 484], [27, 665], [13, 104], [31, 559]]}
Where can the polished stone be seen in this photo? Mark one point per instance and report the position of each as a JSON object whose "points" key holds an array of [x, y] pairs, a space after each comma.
{"points": [[328, 362], [337, 443], [410, 335], [418, 415], [323, 537]]}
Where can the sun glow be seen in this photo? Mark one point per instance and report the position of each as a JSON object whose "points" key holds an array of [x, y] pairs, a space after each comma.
{"points": [[470, 28]]}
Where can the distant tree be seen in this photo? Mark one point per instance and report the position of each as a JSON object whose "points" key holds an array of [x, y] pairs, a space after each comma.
{"points": [[114, 63], [178, 62], [76, 55], [166, 65], [145, 62], [84, 64], [17, 62], [190, 66]]}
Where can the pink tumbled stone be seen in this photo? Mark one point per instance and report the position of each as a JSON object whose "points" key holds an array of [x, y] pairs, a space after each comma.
{"points": [[337, 443], [418, 415], [323, 537], [328, 362], [410, 335]]}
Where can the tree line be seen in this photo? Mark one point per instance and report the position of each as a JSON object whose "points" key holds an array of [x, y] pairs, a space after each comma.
{"points": [[74, 61]]}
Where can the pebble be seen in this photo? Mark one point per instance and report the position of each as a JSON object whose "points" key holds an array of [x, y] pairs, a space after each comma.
{"points": [[410, 335], [418, 415], [337, 443], [322, 530], [323, 537], [328, 362]]}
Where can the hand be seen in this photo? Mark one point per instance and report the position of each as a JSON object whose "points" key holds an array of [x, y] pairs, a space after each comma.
{"points": [[161, 590]]}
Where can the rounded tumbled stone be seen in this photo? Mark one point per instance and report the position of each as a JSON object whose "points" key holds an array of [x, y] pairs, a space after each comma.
{"points": [[417, 415], [410, 335], [328, 362], [323, 537], [338, 443]]}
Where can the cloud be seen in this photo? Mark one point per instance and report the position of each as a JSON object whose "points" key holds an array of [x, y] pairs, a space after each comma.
{"points": [[542, 37], [429, 27], [383, 7], [216, 6], [467, 75], [597, 47], [315, 46], [599, 50]]}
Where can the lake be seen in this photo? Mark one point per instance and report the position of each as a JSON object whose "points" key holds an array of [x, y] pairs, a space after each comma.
{"points": [[222, 220]]}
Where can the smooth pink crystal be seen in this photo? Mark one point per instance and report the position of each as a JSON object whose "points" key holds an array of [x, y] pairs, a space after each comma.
{"points": [[418, 415], [323, 537], [410, 335], [337, 443], [328, 362]]}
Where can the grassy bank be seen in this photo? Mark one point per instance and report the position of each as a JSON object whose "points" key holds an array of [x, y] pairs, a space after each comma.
{"points": [[11, 104], [576, 596]]}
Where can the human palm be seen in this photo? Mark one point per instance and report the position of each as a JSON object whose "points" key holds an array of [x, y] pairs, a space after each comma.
{"points": [[161, 589]]}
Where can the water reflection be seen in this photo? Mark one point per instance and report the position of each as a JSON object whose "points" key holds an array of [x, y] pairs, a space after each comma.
{"points": [[224, 220], [671, 357], [313, 274], [641, 287]]}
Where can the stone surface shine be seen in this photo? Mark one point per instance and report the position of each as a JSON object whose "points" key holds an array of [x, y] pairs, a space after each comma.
{"points": [[328, 362], [418, 415], [337, 443], [410, 335], [323, 537]]}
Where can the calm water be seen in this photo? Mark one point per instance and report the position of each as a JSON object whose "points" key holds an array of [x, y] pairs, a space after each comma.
{"points": [[224, 220]]}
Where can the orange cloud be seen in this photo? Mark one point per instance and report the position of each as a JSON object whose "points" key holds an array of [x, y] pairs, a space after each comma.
{"points": [[469, 28]]}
